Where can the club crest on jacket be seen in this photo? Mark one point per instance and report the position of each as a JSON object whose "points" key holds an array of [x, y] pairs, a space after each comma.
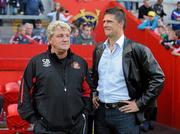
{"points": [[75, 65]]}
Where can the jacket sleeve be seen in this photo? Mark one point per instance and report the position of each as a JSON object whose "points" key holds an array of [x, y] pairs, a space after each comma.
{"points": [[25, 107], [95, 72], [155, 76], [87, 86], [143, 25]]}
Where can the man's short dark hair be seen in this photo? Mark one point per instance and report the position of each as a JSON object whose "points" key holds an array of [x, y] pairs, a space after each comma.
{"points": [[119, 14]]}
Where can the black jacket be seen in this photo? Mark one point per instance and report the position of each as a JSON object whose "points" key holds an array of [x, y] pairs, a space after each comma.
{"points": [[13, 3], [55, 91], [144, 11], [143, 75], [158, 8]]}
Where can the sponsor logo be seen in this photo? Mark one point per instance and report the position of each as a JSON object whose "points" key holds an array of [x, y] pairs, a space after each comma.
{"points": [[46, 62]]}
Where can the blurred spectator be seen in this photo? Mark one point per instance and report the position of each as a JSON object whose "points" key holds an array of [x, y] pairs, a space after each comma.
{"points": [[85, 37], [74, 34], [33, 7], [64, 15], [128, 5], [161, 31], [144, 9], [13, 6], [28, 29], [3, 7], [151, 22], [54, 15], [173, 40], [39, 33], [176, 51], [22, 6], [59, 14], [176, 16], [57, 6], [20, 36], [158, 8]]}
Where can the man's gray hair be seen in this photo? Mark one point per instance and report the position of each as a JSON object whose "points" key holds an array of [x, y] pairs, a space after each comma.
{"points": [[53, 25]]}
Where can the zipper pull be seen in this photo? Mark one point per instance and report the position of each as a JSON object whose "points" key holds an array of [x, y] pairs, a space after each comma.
{"points": [[65, 89]]}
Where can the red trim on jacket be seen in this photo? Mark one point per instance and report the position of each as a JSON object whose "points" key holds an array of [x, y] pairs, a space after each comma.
{"points": [[86, 88], [22, 90], [31, 90]]}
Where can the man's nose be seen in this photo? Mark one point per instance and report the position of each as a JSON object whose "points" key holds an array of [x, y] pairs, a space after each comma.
{"points": [[105, 24], [66, 39]]}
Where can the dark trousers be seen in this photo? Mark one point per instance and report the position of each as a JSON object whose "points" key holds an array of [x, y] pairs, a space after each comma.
{"points": [[90, 123], [112, 121], [79, 128]]}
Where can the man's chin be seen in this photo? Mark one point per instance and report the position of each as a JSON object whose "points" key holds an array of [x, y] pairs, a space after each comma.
{"points": [[64, 48], [107, 33]]}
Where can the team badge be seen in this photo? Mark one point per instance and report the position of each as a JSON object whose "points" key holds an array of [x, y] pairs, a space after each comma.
{"points": [[75, 65]]}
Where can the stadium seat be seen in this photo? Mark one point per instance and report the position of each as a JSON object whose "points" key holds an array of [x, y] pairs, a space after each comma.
{"points": [[11, 87], [13, 119], [11, 93]]}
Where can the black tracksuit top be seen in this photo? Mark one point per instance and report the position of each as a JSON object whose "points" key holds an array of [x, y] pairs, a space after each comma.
{"points": [[55, 90]]}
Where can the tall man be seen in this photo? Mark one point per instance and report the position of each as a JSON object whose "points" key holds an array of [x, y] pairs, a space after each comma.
{"points": [[54, 93], [127, 78]]}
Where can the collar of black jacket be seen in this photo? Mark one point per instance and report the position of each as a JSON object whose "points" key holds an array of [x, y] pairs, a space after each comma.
{"points": [[54, 56]]}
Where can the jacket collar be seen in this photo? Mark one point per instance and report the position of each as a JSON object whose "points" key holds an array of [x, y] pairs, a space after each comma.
{"points": [[54, 56], [127, 46]]}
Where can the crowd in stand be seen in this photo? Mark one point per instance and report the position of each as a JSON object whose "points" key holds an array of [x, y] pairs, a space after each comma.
{"points": [[27, 7], [152, 18], [32, 31], [26, 34], [81, 33]]}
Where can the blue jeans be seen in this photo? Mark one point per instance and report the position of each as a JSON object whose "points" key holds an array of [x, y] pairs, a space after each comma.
{"points": [[3, 11], [12, 10], [128, 5], [113, 121]]}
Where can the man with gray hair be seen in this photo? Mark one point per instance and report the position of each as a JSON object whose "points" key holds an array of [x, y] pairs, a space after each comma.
{"points": [[55, 90]]}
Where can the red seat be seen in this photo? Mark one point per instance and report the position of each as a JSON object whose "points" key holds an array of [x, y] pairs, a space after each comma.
{"points": [[11, 93], [12, 87], [14, 121]]}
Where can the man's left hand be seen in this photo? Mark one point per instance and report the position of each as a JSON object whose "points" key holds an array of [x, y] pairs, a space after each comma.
{"points": [[130, 107]]}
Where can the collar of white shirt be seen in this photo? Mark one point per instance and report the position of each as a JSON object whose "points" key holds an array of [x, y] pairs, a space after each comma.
{"points": [[120, 42]]}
